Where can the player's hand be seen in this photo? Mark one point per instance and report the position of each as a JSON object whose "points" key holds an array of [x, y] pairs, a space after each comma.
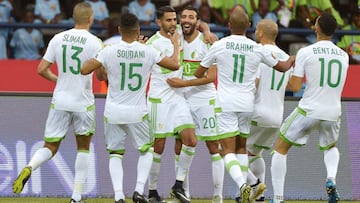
{"points": [[176, 82], [175, 38], [292, 60], [210, 37], [142, 39]]}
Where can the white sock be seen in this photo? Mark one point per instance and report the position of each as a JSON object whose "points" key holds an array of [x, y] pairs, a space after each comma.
{"points": [[40, 156], [185, 160], [154, 171], [233, 167], [81, 170], [331, 160], [143, 170], [244, 163], [278, 173], [251, 178], [258, 167], [186, 186], [117, 174], [218, 169]]}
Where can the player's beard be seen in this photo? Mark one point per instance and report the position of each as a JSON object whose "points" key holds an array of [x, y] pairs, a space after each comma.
{"points": [[188, 31]]}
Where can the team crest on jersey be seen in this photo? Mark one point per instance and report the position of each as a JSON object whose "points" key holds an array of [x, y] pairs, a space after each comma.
{"points": [[193, 54], [160, 126]]}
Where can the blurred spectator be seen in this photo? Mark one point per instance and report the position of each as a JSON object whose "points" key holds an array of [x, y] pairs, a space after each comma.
{"points": [[262, 11], [5, 16], [179, 5], [308, 10], [101, 12], [351, 43], [144, 10], [226, 7], [47, 11], [211, 17], [113, 35], [27, 43]]}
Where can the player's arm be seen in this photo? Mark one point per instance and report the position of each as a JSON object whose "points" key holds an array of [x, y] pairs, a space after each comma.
{"points": [[295, 83], [172, 62], [209, 37], [283, 66], [200, 72], [45, 71], [208, 78]]}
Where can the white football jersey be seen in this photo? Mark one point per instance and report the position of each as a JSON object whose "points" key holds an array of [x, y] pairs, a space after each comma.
{"points": [[237, 59], [159, 88], [70, 49], [194, 52], [270, 93], [128, 67], [325, 67]]}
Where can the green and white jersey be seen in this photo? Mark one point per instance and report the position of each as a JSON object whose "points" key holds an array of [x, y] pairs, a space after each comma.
{"points": [[270, 93], [128, 67], [194, 52], [237, 59], [70, 49], [159, 89], [325, 67]]}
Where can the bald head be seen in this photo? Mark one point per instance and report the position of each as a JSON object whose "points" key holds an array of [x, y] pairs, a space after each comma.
{"points": [[239, 21], [268, 28]]}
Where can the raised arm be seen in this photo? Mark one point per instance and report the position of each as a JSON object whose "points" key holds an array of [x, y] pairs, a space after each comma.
{"points": [[172, 62]]}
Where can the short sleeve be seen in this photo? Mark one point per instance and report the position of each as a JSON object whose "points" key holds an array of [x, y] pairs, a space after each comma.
{"points": [[299, 70]]}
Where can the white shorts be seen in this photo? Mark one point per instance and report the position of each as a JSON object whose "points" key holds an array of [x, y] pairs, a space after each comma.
{"points": [[116, 134], [297, 127], [261, 138], [169, 119], [58, 123], [231, 124], [205, 123]]}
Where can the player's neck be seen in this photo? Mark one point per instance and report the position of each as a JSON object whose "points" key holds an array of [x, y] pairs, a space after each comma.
{"points": [[128, 39], [192, 37], [267, 41], [85, 27], [322, 37]]}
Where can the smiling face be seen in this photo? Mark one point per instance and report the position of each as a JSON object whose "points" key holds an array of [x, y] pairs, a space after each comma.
{"points": [[189, 21]]}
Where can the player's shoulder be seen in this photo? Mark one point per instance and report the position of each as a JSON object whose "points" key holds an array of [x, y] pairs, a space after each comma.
{"points": [[154, 38]]}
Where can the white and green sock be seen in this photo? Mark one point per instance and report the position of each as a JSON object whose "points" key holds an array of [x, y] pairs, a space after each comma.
{"points": [[117, 175], [244, 163], [233, 168], [143, 170], [218, 170], [185, 159], [81, 170], [154, 171]]}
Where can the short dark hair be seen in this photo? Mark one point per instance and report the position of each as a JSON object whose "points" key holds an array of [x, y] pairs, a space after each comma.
{"points": [[327, 23], [129, 22], [162, 10], [191, 8]]}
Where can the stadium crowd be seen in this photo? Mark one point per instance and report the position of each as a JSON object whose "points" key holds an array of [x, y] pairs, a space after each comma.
{"points": [[286, 13], [236, 119]]}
